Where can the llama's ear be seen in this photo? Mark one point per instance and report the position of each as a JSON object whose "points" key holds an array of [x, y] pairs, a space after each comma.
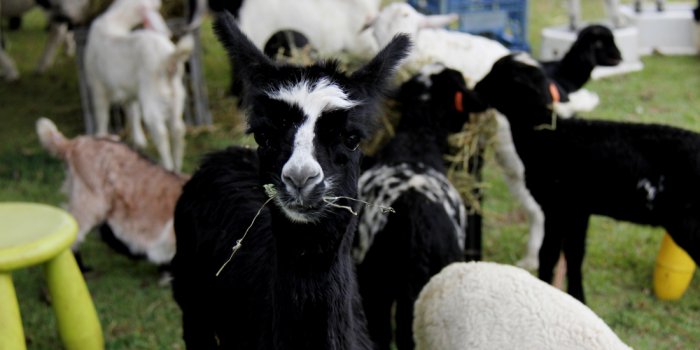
{"points": [[248, 60], [375, 75]]}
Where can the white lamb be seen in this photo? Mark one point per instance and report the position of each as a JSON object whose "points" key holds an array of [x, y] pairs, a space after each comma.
{"points": [[142, 70], [482, 305], [331, 26], [473, 56]]}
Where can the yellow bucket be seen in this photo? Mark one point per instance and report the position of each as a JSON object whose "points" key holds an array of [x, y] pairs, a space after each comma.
{"points": [[674, 270]]}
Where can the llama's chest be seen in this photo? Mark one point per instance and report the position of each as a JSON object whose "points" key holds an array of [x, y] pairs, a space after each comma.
{"points": [[385, 184]]}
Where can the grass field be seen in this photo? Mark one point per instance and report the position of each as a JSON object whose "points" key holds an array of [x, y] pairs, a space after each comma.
{"points": [[136, 313]]}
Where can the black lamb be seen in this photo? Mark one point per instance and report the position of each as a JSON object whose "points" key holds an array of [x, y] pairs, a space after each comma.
{"points": [[292, 283], [643, 173], [399, 253], [594, 46]]}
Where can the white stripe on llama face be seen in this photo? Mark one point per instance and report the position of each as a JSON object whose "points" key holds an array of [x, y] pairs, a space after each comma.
{"points": [[313, 98]]}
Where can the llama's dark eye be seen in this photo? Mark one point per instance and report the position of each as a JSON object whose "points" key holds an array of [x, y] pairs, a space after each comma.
{"points": [[352, 142], [262, 139]]}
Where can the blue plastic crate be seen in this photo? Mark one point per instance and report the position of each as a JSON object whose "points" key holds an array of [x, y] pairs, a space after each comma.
{"points": [[502, 20]]}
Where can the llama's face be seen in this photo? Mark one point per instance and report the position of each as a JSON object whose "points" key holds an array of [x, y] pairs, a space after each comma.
{"points": [[603, 47], [308, 136], [308, 121]]}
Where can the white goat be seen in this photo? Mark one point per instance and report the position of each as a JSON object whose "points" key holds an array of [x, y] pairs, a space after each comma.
{"points": [[473, 56], [331, 26], [482, 305], [142, 70]]}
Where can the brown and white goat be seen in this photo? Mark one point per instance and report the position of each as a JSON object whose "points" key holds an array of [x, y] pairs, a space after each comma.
{"points": [[107, 181]]}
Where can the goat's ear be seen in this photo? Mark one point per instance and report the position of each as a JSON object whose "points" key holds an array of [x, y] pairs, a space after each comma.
{"points": [[375, 75], [248, 59]]}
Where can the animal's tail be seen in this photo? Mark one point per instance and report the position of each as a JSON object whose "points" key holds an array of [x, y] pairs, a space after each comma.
{"points": [[183, 50], [51, 138]]}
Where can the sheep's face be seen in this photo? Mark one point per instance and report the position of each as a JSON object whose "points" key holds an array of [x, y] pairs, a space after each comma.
{"points": [[308, 121], [602, 47], [517, 89], [438, 98]]}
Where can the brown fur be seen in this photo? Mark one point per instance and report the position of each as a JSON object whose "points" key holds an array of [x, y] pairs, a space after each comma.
{"points": [[106, 181]]}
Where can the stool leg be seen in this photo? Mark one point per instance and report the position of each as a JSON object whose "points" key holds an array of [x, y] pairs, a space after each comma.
{"points": [[11, 333], [76, 317]]}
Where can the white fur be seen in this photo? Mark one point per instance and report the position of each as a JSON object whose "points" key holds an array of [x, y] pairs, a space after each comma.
{"points": [[514, 173], [580, 100], [331, 26], [470, 54], [481, 305], [142, 70]]}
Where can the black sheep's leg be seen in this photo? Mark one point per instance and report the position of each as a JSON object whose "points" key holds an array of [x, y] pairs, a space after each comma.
{"points": [[574, 251], [551, 245]]}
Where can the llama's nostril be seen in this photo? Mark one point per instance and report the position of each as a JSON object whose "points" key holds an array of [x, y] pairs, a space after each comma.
{"points": [[302, 178]]}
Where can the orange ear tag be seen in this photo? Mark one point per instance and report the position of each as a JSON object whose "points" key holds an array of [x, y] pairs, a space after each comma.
{"points": [[458, 102], [554, 92]]}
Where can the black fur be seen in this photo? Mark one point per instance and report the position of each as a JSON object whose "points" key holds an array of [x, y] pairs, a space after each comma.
{"points": [[419, 239], [594, 46], [291, 285], [587, 167]]}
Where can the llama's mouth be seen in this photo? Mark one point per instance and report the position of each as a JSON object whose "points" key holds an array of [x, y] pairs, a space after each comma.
{"points": [[301, 208]]}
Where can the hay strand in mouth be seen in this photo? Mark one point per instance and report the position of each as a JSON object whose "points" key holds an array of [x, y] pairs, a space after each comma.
{"points": [[331, 201], [271, 193]]}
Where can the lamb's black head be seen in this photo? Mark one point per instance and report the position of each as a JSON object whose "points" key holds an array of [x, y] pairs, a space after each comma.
{"points": [[437, 97], [517, 87], [599, 42], [308, 121]]}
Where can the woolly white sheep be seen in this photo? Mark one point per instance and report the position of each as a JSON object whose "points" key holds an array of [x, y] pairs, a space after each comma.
{"points": [[484, 305]]}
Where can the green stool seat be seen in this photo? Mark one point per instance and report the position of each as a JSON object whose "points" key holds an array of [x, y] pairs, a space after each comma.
{"points": [[33, 234]]}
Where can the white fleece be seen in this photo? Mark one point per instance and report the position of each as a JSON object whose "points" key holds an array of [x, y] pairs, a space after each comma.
{"points": [[483, 305]]}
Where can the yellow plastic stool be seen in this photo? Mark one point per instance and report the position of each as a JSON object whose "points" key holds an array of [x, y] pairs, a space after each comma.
{"points": [[674, 270], [32, 234]]}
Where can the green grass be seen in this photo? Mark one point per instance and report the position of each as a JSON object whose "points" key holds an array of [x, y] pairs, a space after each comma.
{"points": [[136, 313]]}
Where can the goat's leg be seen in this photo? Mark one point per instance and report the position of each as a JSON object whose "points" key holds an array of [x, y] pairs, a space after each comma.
{"points": [[159, 135], [177, 128], [57, 36], [9, 70], [133, 115], [574, 251], [100, 105]]}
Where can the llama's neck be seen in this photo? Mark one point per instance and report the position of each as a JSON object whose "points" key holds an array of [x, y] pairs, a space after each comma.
{"points": [[315, 295], [575, 68]]}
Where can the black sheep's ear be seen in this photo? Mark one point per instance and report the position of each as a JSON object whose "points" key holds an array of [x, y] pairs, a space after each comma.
{"points": [[247, 59], [374, 77]]}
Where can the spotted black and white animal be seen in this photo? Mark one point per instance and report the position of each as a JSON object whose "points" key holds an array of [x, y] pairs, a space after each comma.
{"points": [[643, 173], [398, 253], [291, 283]]}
